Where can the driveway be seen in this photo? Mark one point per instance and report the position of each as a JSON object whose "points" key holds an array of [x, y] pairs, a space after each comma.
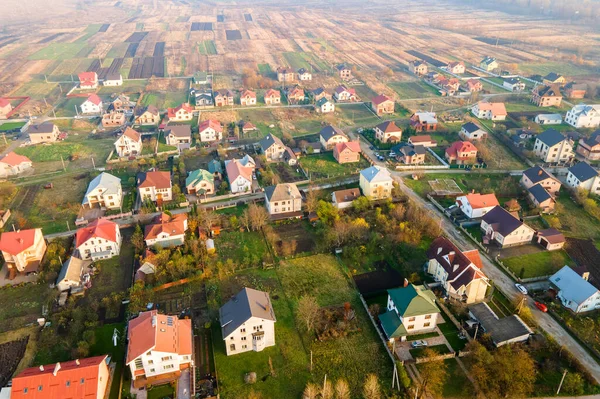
{"points": [[183, 385]]}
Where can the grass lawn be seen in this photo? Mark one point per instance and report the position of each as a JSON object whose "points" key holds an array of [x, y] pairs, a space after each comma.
{"points": [[242, 247], [233, 211], [325, 165], [104, 346], [500, 157], [576, 222], [566, 68], [67, 107], [296, 60], [457, 384], [262, 119], [264, 69], [58, 51], [543, 263], [422, 336], [175, 98], [26, 304], [52, 152], [501, 184], [357, 114], [6, 126], [440, 349], [161, 392], [414, 89]]}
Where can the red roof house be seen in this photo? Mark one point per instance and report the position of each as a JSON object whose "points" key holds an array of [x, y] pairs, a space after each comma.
{"points": [[461, 152], [88, 80], [100, 239], [347, 152], [382, 104], [23, 250], [183, 112]]}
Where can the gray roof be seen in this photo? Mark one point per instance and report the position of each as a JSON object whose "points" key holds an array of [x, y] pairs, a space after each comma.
{"points": [[322, 101], [501, 330], [45, 127], [106, 180], [539, 193], [179, 130], [282, 192], [329, 131], [376, 173], [550, 117], [488, 60], [583, 171], [572, 286], [409, 150], [270, 140], [551, 137], [470, 127], [552, 76], [318, 91], [214, 166], [513, 81], [536, 174], [245, 304], [72, 269], [502, 221]]}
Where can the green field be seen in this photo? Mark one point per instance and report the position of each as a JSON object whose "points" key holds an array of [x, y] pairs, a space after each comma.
{"points": [[325, 165], [575, 221], [67, 107], [264, 69], [296, 60], [26, 303], [242, 247], [207, 47], [6, 126], [543, 69], [543, 263], [357, 114], [59, 51], [117, 50], [416, 89]]}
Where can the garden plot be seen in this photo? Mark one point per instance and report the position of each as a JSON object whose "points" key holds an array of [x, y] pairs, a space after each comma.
{"points": [[445, 187], [294, 239]]}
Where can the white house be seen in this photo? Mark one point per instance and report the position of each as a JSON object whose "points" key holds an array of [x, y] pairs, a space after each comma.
{"points": [[304, 75], [501, 227], [342, 199], [210, 130], [582, 175], [100, 239], [166, 231], [239, 176], [548, 119], [325, 106], [470, 131], [129, 143], [551, 146], [247, 322], [388, 131], [93, 105], [155, 186], [72, 275], [491, 111], [376, 182], [330, 135], [582, 116], [574, 291], [113, 79], [13, 164], [283, 201], [475, 205], [104, 191], [179, 136], [514, 84]]}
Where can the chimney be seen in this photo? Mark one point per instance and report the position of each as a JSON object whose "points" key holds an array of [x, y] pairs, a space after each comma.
{"points": [[20, 240], [454, 267], [472, 191], [56, 368], [77, 362], [585, 275], [540, 172], [451, 253], [405, 283], [41, 368], [439, 251]]}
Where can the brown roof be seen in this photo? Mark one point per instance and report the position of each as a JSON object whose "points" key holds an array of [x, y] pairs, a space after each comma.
{"points": [[552, 235], [210, 123], [380, 99], [346, 195], [420, 139], [389, 127], [172, 225], [132, 134], [179, 130], [155, 179], [448, 255]]}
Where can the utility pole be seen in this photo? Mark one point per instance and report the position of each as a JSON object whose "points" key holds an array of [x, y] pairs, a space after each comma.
{"points": [[311, 363], [63, 163], [561, 381], [93, 163], [45, 102], [324, 382]]}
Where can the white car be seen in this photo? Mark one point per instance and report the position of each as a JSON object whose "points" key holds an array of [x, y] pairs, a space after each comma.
{"points": [[521, 288], [419, 343]]}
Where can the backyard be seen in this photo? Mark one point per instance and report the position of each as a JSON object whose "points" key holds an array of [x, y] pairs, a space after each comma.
{"points": [[543, 263], [325, 166]]}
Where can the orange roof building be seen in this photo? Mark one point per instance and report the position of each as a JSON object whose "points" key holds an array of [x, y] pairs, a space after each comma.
{"points": [[239, 176], [461, 152], [13, 164], [23, 250], [166, 231], [88, 80], [347, 152], [101, 239], [475, 205], [184, 112], [155, 186], [491, 111]]}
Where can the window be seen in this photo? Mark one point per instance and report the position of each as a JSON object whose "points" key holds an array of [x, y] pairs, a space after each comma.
{"points": [[166, 358], [426, 324], [232, 347], [82, 381], [40, 387], [411, 327], [168, 366], [150, 361], [244, 346], [242, 330], [411, 319], [68, 383], [25, 390], [427, 317], [152, 370]]}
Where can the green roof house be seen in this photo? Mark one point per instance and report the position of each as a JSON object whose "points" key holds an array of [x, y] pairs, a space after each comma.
{"points": [[411, 310], [200, 181]]}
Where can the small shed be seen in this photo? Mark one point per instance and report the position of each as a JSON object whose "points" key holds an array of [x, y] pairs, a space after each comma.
{"points": [[210, 246], [551, 239], [503, 331]]}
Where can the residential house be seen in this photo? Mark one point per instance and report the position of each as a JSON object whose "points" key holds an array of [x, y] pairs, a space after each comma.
{"points": [[247, 98], [376, 182], [344, 72], [423, 121], [541, 198], [473, 85], [290, 156], [382, 104], [513, 84], [457, 67], [554, 79], [475, 205], [204, 97], [410, 310], [551, 146], [574, 291], [81, 378], [210, 131], [458, 272], [501, 227], [325, 106], [502, 331], [449, 87], [201, 182], [129, 143], [73, 275], [410, 154], [247, 127], [214, 167], [239, 176], [347, 152], [272, 97], [418, 67], [88, 80], [551, 239], [283, 201], [388, 132], [148, 116], [104, 191], [202, 78], [272, 147], [546, 96], [166, 230], [93, 105], [548, 119], [329, 136], [113, 79], [491, 111], [470, 131], [589, 147], [575, 90], [584, 116], [223, 98], [583, 176], [285, 74], [113, 119], [179, 136], [22, 250], [342, 199], [155, 186], [424, 140], [247, 322], [5, 108], [539, 176], [294, 94], [181, 113], [318, 94], [159, 347], [304, 75], [13, 164], [345, 94], [462, 153], [489, 64], [123, 104], [100, 239]]}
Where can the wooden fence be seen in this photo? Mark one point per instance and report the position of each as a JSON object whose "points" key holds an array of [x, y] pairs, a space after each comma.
{"points": [[383, 340]]}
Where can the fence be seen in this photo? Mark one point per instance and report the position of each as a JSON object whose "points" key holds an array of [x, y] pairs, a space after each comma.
{"points": [[123, 159], [442, 160], [435, 358], [385, 342], [419, 167]]}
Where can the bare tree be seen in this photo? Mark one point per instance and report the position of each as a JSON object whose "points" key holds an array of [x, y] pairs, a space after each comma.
{"points": [[258, 216], [371, 389], [245, 220], [342, 390], [327, 390], [311, 391], [312, 200], [207, 219], [308, 310]]}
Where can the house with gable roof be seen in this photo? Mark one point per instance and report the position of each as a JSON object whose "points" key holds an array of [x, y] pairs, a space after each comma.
{"points": [[388, 131], [104, 191], [575, 291], [376, 182], [147, 116], [13, 164], [113, 79], [201, 182], [456, 67], [344, 94], [418, 67], [410, 154], [179, 136], [489, 64], [129, 143], [155, 186], [344, 72], [473, 85], [461, 152], [239, 175], [166, 230], [470, 131], [294, 94], [537, 175], [548, 119], [210, 130], [181, 113], [92, 105], [583, 176], [46, 132], [584, 116], [223, 97], [73, 275], [272, 147], [285, 74], [325, 105], [589, 147], [347, 152], [491, 111], [551, 146], [304, 74], [272, 97], [541, 198], [554, 78], [475, 205], [546, 96], [423, 121], [247, 98], [382, 104], [330, 135], [513, 84], [503, 228], [100, 239], [88, 80], [22, 250], [342, 199], [283, 201]]}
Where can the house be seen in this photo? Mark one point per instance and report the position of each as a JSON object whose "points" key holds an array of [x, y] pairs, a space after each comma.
{"points": [[324, 105], [584, 116], [5, 214], [489, 64], [502, 331], [539, 176], [575, 90], [248, 97], [574, 291], [553, 78], [344, 94], [155, 186], [104, 191], [491, 111], [589, 147], [247, 322], [100, 239], [93, 105], [223, 98], [475, 205], [214, 167], [304, 75], [13, 164], [382, 104], [272, 97], [473, 85], [329, 136], [294, 94], [462, 153], [583, 176], [82, 378], [239, 176], [5, 108], [470, 131], [285, 74], [158, 348], [318, 94], [500, 226], [202, 78], [546, 96], [179, 136], [410, 310], [423, 121], [22, 250], [73, 275], [123, 104], [410, 154], [181, 113], [201, 182], [272, 147], [148, 116], [129, 143], [388, 132], [347, 152], [376, 182], [456, 67], [342, 199], [548, 119], [247, 127], [210, 130], [541, 198], [88, 80], [290, 156], [513, 84], [204, 97], [113, 119], [551, 146], [344, 72], [551, 239], [424, 140], [283, 201], [458, 272], [113, 79], [418, 67], [166, 231]]}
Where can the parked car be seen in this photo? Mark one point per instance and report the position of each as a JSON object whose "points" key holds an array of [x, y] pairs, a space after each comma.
{"points": [[418, 344], [541, 306], [392, 154], [521, 289]]}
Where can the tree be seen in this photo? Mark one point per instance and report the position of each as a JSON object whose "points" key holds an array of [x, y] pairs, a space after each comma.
{"points": [[311, 391], [312, 199], [308, 310], [573, 384], [342, 390], [137, 239], [371, 388], [361, 204], [433, 374], [327, 213], [327, 390], [403, 377], [258, 216]]}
